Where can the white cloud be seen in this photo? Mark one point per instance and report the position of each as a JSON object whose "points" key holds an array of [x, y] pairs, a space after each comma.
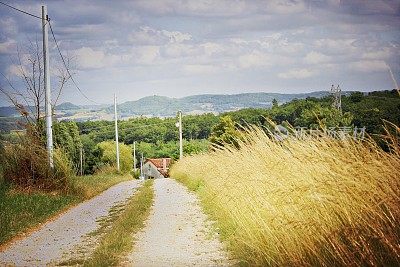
{"points": [[254, 59], [144, 54], [335, 46], [181, 50], [296, 74], [8, 26], [196, 8], [291, 48], [376, 6], [285, 6], [88, 58], [223, 8], [316, 58], [84, 29], [249, 44], [15, 70], [200, 69], [369, 66], [8, 47], [211, 48], [149, 36], [177, 37], [382, 53]]}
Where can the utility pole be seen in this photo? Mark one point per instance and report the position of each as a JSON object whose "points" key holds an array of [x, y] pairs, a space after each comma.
{"points": [[116, 129], [49, 130], [81, 160], [141, 168], [180, 135], [134, 156]]}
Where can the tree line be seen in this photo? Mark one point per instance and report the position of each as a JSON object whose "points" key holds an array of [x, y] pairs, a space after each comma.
{"points": [[158, 137]]}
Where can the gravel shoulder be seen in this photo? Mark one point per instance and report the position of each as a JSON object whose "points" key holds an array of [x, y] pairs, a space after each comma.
{"points": [[177, 232], [61, 237]]}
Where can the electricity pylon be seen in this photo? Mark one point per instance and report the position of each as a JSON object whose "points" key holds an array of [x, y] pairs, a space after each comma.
{"points": [[337, 97]]}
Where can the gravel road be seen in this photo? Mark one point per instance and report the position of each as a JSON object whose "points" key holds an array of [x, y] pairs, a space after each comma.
{"points": [[59, 237], [177, 232]]}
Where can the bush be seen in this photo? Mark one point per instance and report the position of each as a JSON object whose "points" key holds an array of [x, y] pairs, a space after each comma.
{"points": [[135, 174], [109, 157], [66, 136], [26, 165], [92, 155]]}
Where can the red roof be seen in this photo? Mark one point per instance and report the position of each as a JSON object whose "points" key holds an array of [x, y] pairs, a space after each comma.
{"points": [[159, 165]]}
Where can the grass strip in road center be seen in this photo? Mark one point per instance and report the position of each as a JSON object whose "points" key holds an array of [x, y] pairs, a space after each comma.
{"points": [[119, 237]]}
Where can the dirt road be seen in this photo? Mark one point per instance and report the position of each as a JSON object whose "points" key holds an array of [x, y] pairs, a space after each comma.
{"points": [[177, 232], [60, 237]]}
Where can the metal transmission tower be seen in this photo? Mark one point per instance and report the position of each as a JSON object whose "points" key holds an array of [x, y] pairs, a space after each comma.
{"points": [[337, 97]]}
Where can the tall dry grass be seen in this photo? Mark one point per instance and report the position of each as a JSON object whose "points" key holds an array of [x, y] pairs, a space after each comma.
{"points": [[312, 202], [25, 165]]}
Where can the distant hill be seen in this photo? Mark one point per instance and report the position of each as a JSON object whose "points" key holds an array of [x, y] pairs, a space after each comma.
{"points": [[11, 111], [67, 106], [198, 104], [162, 106], [8, 112]]}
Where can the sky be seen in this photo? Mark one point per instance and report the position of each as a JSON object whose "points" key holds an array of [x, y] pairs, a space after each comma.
{"points": [[178, 48]]}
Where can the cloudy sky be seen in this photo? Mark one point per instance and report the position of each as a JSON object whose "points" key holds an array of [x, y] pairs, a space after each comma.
{"points": [[183, 47]]}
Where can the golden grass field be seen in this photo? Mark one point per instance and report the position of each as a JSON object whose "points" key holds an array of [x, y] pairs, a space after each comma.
{"points": [[318, 201]]}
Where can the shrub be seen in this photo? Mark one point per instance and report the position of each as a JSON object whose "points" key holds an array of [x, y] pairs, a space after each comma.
{"points": [[26, 165], [225, 132], [109, 156], [135, 174], [66, 136]]}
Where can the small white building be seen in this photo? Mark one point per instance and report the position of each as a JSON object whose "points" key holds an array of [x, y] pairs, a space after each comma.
{"points": [[156, 168]]}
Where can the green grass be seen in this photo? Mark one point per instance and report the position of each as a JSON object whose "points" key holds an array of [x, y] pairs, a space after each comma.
{"points": [[118, 238], [20, 211], [90, 185]]}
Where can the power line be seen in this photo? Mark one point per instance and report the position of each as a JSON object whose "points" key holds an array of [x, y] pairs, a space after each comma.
{"points": [[22, 11], [58, 48], [66, 67]]}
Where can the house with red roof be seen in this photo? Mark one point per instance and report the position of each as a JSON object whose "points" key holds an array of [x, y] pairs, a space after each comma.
{"points": [[156, 168]]}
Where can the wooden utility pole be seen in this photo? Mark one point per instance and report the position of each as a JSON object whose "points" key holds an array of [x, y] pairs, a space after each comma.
{"points": [[49, 122], [134, 156], [116, 129], [180, 136], [81, 160], [141, 168]]}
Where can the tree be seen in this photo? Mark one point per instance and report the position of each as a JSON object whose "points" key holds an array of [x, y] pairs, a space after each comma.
{"points": [[356, 97], [66, 136], [225, 133], [28, 95], [92, 155], [109, 156], [192, 147], [323, 117], [274, 103]]}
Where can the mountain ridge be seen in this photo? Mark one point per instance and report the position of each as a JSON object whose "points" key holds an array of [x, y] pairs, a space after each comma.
{"points": [[196, 104], [163, 106]]}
